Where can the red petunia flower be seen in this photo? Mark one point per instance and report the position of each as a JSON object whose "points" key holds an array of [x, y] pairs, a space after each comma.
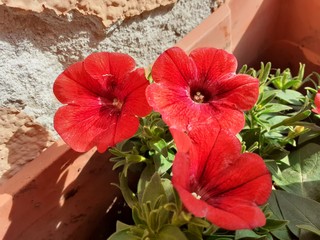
{"points": [[104, 95], [317, 103], [216, 181], [201, 87]]}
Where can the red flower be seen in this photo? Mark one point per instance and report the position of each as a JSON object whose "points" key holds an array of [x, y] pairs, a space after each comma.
{"points": [[201, 88], [214, 180], [317, 103], [104, 96]]}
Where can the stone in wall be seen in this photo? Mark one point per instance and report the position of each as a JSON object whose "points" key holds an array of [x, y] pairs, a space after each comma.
{"points": [[108, 11], [21, 140]]}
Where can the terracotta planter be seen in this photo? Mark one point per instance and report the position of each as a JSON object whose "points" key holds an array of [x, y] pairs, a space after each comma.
{"points": [[64, 195], [282, 32]]}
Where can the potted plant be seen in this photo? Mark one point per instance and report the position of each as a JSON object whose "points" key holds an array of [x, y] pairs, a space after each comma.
{"points": [[71, 208]]}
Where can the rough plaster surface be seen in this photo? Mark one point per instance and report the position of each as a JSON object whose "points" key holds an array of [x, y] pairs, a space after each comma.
{"points": [[108, 11], [36, 47]]}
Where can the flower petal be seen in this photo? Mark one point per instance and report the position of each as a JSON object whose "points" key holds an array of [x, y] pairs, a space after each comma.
{"points": [[246, 178], [230, 185], [195, 206], [181, 139], [239, 91], [213, 63], [80, 126], [239, 215], [223, 113], [105, 95], [177, 108], [102, 64], [317, 103], [174, 67], [243, 175], [181, 170], [85, 127], [173, 105], [127, 126], [202, 88], [212, 151], [71, 87], [133, 92]]}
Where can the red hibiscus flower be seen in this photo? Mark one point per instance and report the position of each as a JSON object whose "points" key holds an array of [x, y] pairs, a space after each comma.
{"points": [[317, 103], [216, 181], [104, 96], [201, 87]]}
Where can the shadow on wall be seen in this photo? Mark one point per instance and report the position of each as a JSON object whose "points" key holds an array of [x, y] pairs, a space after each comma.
{"points": [[68, 200]]}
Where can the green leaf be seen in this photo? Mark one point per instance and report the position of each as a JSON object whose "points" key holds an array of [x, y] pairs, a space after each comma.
{"points": [[220, 238], [273, 224], [159, 145], [297, 210], [243, 69], [282, 234], [135, 158], [291, 83], [264, 72], [153, 222], [162, 163], [307, 235], [128, 195], [293, 120], [277, 83], [310, 228], [116, 152], [191, 236], [144, 179], [274, 108], [199, 222], [161, 154], [272, 119], [153, 190], [289, 96], [266, 97], [194, 232], [123, 235], [302, 177], [300, 76], [241, 234], [163, 217], [171, 232], [121, 226], [137, 216], [169, 190], [250, 136]]}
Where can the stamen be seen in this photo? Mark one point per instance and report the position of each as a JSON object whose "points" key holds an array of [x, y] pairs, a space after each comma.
{"points": [[117, 103], [196, 195], [198, 97]]}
